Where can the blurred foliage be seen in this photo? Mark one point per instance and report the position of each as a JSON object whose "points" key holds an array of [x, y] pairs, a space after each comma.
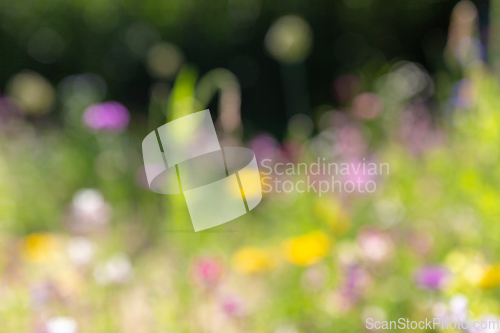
{"points": [[87, 247], [111, 38]]}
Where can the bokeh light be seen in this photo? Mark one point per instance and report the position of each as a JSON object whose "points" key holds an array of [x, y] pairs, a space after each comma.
{"points": [[33, 93], [289, 39]]}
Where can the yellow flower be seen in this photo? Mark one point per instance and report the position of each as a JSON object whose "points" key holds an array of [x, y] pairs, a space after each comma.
{"points": [[307, 249], [248, 260], [250, 181], [491, 277], [39, 247]]}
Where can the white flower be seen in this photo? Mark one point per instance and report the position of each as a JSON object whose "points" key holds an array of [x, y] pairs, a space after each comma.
{"points": [[117, 270], [80, 250], [88, 211], [62, 325], [88, 200]]}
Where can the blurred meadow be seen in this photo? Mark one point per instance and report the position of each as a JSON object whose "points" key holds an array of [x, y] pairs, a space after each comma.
{"points": [[87, 247]]}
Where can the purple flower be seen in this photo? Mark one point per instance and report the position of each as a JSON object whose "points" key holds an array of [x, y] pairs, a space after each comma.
{"points": [[109, 116], [432, 277], [355, 283], [464, 94], [9, 113]]}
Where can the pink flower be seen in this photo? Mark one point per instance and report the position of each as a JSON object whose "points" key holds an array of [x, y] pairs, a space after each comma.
{"points": [[417, 131], [375, 244], [206, 272], [360, 171], [367, 106], [351, 142]]}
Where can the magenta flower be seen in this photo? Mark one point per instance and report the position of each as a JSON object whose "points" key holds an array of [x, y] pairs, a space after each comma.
{"points": [[264, 146], [232, 306], [360, 172], [206, 272], [109, 116], [432, 277]]}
